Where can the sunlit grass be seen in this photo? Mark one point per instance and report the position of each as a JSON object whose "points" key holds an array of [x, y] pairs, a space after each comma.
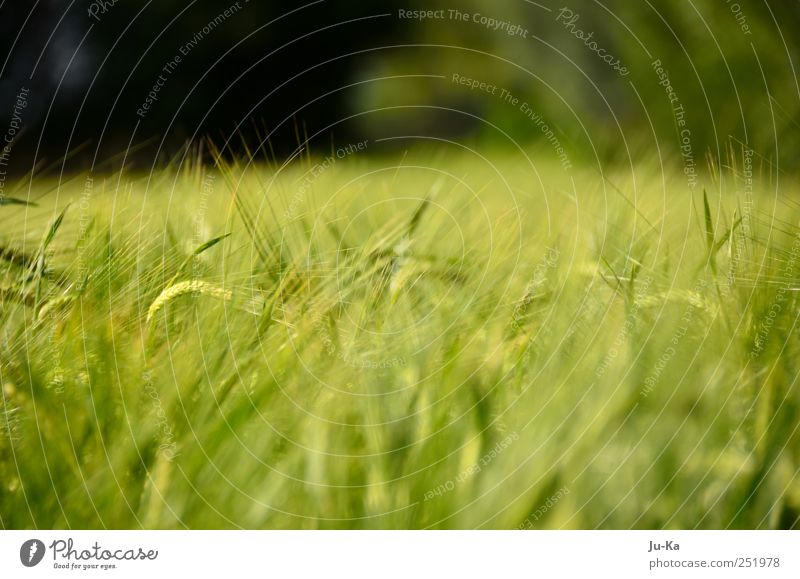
{"points": [[437, 342]]}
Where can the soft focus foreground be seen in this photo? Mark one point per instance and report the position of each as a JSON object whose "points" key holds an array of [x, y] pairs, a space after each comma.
{"points": [[433, 342]]}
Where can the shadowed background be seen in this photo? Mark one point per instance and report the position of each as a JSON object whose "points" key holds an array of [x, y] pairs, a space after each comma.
{"points": [[327, 68]]}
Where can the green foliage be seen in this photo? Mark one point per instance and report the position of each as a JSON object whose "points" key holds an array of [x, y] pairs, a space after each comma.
{"points": [[730, 68], [493, 355]]}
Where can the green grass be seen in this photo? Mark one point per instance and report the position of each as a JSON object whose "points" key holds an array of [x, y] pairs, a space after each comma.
{"points": [[450, 344]]}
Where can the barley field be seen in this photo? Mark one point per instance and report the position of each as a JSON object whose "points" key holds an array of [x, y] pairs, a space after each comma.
{"points": [[426, 338]]}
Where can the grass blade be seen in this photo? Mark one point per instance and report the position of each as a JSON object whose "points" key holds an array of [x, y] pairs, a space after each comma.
{"points": [[15, 201]]}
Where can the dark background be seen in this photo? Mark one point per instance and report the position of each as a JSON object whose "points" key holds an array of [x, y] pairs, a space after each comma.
{"points": [[87, 97], [268, 69]]}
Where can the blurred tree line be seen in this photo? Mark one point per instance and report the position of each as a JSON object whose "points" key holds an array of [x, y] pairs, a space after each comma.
{"points": [[339, 70], [731, 65]]}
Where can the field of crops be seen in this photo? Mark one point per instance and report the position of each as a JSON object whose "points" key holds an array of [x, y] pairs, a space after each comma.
{"points": [[420, 340]]}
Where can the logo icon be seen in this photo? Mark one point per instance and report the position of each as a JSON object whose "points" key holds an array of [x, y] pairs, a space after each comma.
{"points": [[31, 553]]}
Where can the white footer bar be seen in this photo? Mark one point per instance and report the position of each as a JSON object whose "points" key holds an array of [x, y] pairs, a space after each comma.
{"points": [[400, 554]]}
